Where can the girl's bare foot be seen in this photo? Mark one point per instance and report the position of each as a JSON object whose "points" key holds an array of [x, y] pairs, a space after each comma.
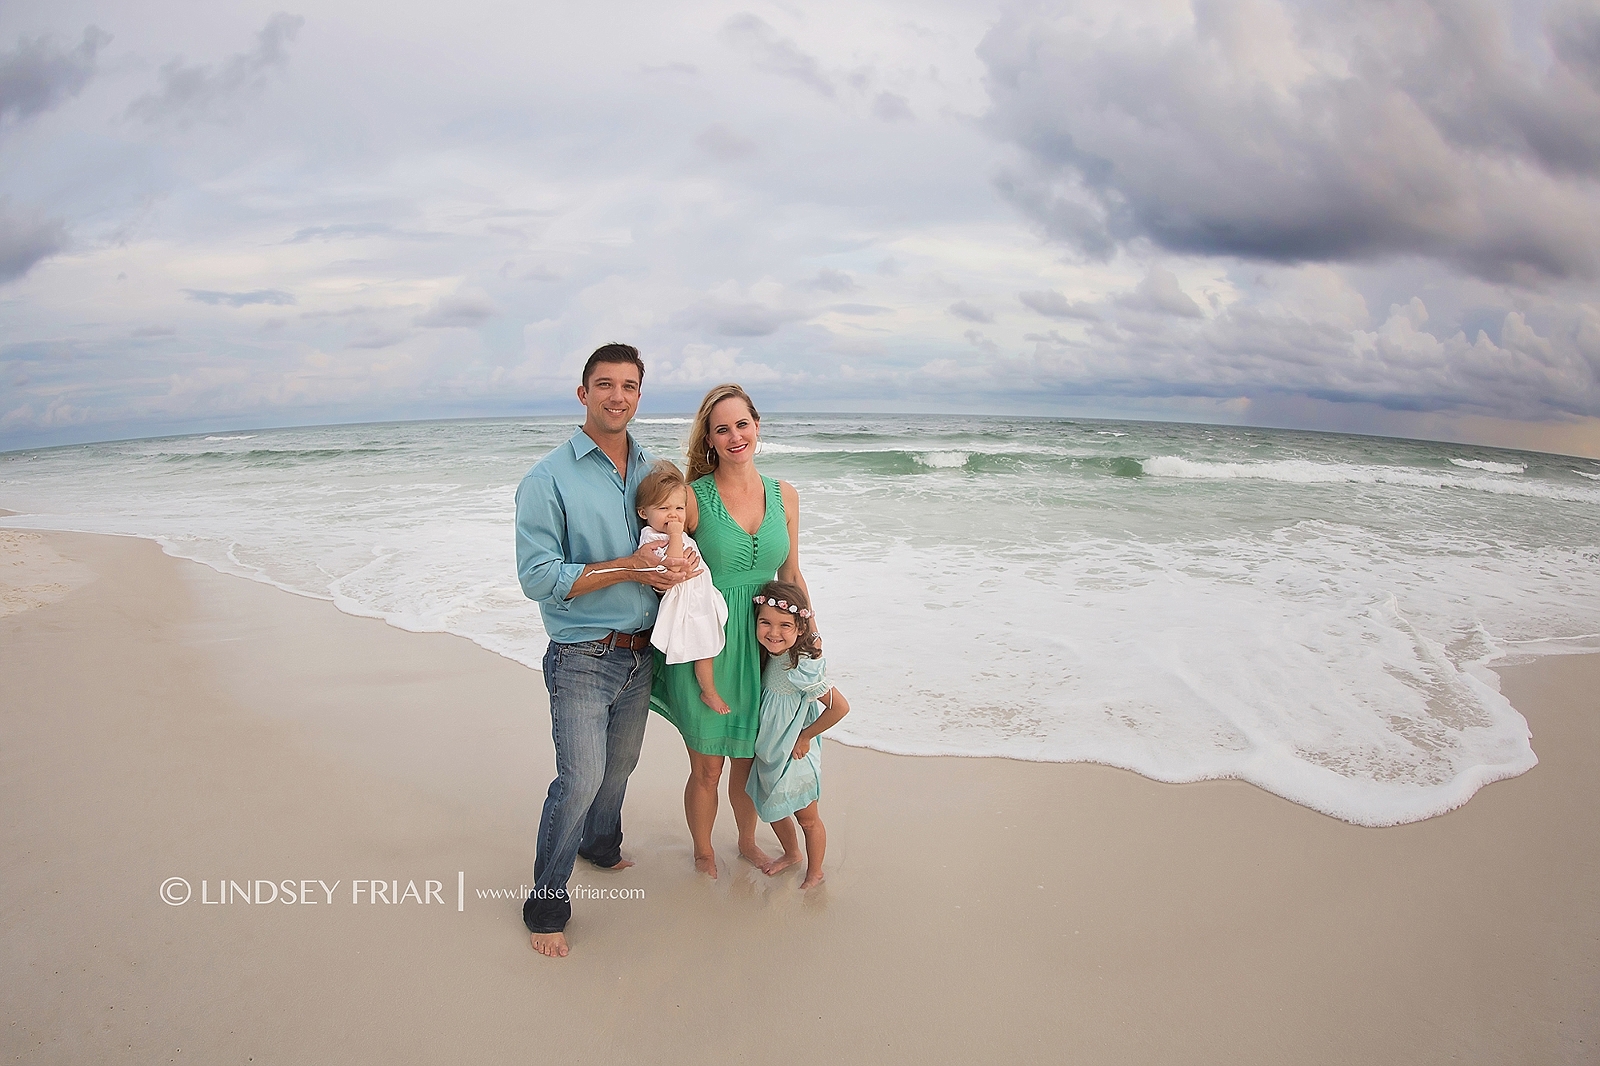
{"points": [[706, 864], [812, 880], [710, 698], [781, 863], [752, 853], [550, 945]]}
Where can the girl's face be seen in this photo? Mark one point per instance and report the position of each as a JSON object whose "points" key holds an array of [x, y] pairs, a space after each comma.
{"points": [[776, 629], [675, 506], [733, 433]]}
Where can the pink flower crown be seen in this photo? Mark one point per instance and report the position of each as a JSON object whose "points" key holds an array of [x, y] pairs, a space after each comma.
{"points": [[782, 605]]}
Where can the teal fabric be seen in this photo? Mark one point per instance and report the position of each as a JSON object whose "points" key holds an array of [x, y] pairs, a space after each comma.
{"points": [[574, 508], [779, 783]]}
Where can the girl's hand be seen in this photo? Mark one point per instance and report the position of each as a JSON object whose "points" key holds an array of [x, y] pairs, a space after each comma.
{"points": [[802, 746]]}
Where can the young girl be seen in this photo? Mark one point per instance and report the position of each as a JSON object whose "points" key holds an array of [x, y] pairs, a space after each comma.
{"points": [[689, 625], [797, 704]]}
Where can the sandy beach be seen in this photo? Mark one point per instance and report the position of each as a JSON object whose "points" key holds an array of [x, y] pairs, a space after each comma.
{"points": [[162, 721]]}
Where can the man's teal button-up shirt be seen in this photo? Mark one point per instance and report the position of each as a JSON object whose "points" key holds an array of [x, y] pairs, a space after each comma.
{"points": [[574, 508]]}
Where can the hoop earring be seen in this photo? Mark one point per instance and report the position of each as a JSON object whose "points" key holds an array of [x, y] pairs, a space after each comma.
{"points": [[758, 447], [711, 457]]}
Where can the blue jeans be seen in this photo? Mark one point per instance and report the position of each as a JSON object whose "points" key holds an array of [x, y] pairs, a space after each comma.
{"points": [[599, 702]]}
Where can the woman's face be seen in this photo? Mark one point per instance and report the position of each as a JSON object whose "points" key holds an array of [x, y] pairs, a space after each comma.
{"points": [[733, 433]]}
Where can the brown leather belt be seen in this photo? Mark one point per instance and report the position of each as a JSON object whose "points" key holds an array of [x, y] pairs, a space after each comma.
{"points": [[630, 641]]}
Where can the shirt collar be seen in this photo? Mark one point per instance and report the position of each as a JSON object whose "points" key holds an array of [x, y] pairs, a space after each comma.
{"points": [[583, 444]]}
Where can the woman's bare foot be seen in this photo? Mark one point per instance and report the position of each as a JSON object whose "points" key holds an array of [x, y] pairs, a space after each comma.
{"points": [[753, 854], [782, 863], [706, 864], [550, 945], [710, 698], [812, 880]]}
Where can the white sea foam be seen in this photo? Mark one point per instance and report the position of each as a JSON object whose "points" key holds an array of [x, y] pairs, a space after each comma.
{"points": [[1166, 624], [239, 436], [1585, 473], [1491, 467], [663, 421], [1311, 472]]}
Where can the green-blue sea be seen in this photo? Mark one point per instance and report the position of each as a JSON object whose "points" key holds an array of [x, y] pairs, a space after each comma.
{"points": [[1321, 615]]}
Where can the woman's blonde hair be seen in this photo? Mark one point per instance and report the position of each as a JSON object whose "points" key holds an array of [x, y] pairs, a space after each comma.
{"points": [[703, 457], [659, 484]]}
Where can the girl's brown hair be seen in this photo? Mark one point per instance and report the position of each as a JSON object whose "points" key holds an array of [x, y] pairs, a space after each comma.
{"points": [[660, 483], [807, 642], [703, 457]]}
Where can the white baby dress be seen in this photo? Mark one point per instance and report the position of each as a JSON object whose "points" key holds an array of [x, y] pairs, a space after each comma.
{"points": [[690, 624]]}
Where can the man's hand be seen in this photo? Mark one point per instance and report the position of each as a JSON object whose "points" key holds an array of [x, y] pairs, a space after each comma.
{"points": [[644, 562]]}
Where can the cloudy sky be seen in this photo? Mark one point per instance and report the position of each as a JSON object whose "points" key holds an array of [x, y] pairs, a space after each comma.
{"points": [[1378, 217]]}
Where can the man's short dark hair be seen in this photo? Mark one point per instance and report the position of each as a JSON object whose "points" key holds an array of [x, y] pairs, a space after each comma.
{"points": [[613, 353]]}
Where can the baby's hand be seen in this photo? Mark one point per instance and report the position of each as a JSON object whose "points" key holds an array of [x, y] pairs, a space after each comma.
{"points": [[802, 747], [674, 524]]}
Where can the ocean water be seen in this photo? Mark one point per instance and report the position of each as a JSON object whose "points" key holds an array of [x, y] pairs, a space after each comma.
{"points": [[1320, 615]]}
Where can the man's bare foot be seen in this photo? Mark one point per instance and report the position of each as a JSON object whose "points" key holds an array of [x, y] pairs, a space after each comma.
{"points": [[812, 880], [753, 854], [781, 863], [706, 864], [710, 698], [550, 945], [620, 864]]}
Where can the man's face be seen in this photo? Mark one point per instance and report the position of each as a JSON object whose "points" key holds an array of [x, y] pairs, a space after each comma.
{"points": [[611, 397]]}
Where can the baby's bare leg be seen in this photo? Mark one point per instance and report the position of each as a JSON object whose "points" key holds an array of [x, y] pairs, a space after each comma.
{"points": [[706, 679], [816, 843], [785, 832]]}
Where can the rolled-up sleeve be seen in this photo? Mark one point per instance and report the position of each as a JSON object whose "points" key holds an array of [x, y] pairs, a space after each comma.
{"points": [[542, 568]]}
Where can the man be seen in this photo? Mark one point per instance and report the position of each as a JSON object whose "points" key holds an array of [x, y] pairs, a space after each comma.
{"points": [[578, 555]]}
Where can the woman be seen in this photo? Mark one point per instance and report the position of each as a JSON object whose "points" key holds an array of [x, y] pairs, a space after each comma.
{"points": [[748, 530]]}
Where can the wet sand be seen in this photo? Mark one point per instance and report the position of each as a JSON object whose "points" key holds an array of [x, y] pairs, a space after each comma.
{"points": [[160, 720]]}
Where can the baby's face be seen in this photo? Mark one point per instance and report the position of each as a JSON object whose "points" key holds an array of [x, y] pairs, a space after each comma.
{"points": [[673, 509]]}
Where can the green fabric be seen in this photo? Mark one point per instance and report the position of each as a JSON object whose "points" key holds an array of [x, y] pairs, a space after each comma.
{"points": [[740, 564]]}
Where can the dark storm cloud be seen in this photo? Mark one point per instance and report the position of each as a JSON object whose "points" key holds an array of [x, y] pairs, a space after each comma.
{"points": [[240, 299], [39, 75], [461, 311], [1160, 292], [971, 312], [196, 91], [775, 54], [727, 318], [353, 229], [26, 239], [1300, 132], [1512, 370], [1052, 304], [892, 107], [831, 280], [719, 142]]}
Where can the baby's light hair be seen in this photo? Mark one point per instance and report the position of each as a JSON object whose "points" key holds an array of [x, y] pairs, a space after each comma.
{"points": [[663, 479]]}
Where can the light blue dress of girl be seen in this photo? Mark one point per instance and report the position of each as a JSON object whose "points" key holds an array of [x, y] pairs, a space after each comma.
{"points": [[779, 783]]}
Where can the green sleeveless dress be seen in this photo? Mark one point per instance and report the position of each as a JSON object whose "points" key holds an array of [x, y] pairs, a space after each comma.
{"points": [[740, 564]]}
